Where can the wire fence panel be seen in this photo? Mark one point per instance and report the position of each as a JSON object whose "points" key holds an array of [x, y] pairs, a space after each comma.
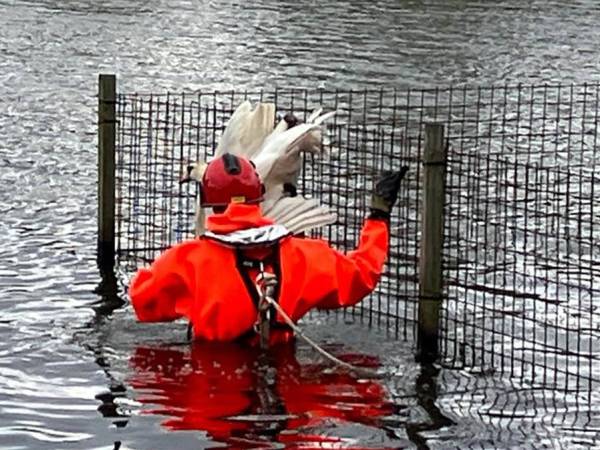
{"points": [[521, 239], [521, 226], [157, 135]]}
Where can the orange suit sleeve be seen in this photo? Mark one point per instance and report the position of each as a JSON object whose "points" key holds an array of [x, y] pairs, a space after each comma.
{"points": [[358, 271], [315, 275], [164, 291]]}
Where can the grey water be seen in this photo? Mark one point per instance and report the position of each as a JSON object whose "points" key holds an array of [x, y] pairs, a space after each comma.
{"points": [[76, 371]]}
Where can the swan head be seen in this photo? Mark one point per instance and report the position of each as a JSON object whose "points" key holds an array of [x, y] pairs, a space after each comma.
{"points": [[193, 172], [291, 120]]}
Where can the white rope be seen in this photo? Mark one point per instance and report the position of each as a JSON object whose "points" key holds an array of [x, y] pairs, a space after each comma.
{"points": [[361, 371]]}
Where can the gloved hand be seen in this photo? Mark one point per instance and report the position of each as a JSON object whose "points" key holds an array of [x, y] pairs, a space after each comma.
{"points": [[385, 193]]}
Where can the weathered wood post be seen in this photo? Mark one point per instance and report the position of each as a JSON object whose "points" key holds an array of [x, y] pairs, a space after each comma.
{"points": [[106, 169], [432, 235]]}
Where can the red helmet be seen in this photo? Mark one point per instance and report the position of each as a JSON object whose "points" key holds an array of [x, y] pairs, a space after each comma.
{"points": [[231, 179]]}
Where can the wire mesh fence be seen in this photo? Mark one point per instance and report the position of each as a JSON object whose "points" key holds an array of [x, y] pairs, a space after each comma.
{"points": [[519, 270], [521, 236], [158, 134], [520, 230]]}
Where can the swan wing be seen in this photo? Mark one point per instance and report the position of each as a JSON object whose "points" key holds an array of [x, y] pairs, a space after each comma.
{"points": [[281, 154], [247, 130], [299, 214]]}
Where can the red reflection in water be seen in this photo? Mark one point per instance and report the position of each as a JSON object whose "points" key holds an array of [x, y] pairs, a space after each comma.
{"points": [[247, 398]]}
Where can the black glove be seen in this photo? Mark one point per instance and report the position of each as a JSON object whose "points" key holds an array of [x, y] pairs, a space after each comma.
{"points": [[385, 193]]}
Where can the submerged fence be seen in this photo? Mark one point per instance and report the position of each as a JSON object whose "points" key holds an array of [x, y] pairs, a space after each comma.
{"points": [[521, 226]]}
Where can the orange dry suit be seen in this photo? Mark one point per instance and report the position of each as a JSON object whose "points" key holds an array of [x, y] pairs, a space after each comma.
{"points": [[210, 280]]}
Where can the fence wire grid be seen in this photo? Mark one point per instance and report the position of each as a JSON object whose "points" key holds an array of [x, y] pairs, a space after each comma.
{"points": [[521, 227]]}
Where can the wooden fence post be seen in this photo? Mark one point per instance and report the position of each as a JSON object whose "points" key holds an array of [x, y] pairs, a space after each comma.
{"points": [[106, 169], [432, 236]]}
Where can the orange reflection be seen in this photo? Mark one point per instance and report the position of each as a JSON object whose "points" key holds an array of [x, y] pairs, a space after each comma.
{"points": [[245, 397]]}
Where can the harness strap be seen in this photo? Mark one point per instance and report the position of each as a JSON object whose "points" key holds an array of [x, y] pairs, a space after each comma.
{"points": [[264, 284]]}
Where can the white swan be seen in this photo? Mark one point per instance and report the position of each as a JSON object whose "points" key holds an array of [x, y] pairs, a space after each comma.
{"points": [[277, 154]]}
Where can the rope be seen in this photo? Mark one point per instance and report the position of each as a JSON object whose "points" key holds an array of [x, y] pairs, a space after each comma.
{"points": [[264, 281], [363, 371]]}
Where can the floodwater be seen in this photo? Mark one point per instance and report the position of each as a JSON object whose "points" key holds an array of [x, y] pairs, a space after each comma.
{"points": [[77, 372]]}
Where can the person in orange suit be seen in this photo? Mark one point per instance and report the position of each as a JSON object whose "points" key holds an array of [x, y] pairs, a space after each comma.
{"points": [[211, 280], [221, 388]]}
